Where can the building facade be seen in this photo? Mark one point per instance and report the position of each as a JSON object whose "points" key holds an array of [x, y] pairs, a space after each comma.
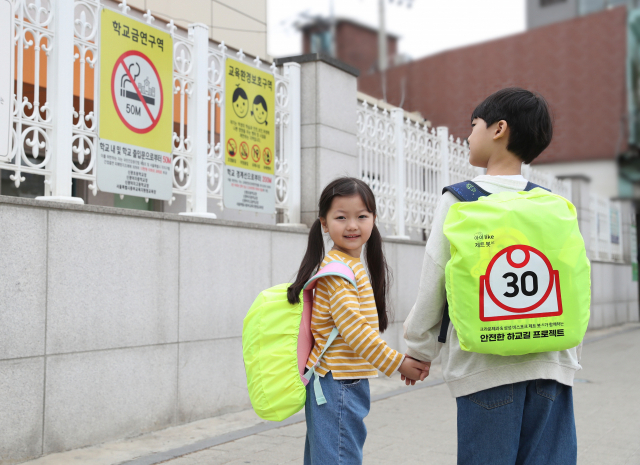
{"points": [[543, 12], [355, 44], [241, 23], [579, 66]]}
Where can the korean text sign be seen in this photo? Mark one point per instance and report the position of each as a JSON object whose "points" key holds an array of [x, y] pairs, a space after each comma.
{"points": [[249, 117], [136, 111], [249, 138]]}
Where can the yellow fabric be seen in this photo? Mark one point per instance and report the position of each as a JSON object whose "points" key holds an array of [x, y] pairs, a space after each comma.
{"points": [[359, 350]]}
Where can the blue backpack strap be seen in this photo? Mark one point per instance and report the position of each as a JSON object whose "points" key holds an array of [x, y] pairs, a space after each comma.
{"points": [[531, 186], [466, 191], [344, 271]]}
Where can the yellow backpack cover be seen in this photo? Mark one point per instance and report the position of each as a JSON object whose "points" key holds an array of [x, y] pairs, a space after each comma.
{"points": [[518, 280], [276, 343]]}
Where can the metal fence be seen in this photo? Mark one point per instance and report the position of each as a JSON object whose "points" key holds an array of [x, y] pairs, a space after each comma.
{"points": [[407, 164], [55, 108]]}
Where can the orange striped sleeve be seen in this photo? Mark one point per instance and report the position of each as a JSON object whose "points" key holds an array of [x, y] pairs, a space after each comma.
{"points": [[356, 331]]}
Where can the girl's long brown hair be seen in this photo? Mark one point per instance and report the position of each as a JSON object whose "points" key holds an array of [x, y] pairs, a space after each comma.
{"points": [[379, 273]]}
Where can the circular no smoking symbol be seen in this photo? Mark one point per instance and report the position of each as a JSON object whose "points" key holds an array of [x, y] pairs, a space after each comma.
{"points": [[266, 156], [232, 147], [255, 153], [244, 150], [137, 91]]}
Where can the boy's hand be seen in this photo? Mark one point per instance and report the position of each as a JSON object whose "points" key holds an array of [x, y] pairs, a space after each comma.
{"points": [[413, 370]]}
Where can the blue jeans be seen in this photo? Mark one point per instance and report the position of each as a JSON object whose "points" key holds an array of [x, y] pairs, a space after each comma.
{"points": [[336, 430], [527, 423]]}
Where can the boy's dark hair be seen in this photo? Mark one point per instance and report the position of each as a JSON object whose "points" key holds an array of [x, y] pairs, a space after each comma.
{"points": [[526, 113]]}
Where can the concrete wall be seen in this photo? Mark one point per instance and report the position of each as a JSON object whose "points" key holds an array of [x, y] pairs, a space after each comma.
{"points": [[602, 173], [116, 322], [329, 140], [614, 295]]}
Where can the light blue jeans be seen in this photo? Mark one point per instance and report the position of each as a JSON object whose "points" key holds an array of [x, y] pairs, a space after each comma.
{"points": [[336, 430], [527, 423]]}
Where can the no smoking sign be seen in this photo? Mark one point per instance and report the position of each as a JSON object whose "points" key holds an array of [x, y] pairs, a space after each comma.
{"points": [[136, 123], [519, 283], [137, 93]]}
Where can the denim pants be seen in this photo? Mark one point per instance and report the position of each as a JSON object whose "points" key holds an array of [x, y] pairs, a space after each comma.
{"points": [[336, 430], [527, 423]]}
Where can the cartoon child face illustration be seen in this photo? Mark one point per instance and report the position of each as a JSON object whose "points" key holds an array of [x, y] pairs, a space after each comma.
{"points": [[259, 110], [240, 102]]}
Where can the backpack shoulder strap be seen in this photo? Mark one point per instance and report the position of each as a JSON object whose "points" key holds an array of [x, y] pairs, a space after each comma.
{"points": [[333, 268], [466, 191], [531, 186]]}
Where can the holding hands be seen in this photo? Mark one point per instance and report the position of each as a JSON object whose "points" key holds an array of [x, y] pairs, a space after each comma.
{"points": [[413, 370]]}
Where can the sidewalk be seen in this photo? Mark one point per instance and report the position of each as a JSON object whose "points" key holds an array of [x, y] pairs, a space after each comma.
{"points": [[406, 425]]}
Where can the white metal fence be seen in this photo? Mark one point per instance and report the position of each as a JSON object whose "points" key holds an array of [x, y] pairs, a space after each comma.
{"points": [[56, 95], [407, 164]]}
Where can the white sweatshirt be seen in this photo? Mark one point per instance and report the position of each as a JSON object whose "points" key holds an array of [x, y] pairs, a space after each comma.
{"points": [[469, 372]]}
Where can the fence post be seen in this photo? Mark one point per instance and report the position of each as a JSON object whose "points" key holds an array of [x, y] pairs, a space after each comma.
{"points": [[61, 67], [293, 142], [401, 188], [198, 121], [443, 134]]}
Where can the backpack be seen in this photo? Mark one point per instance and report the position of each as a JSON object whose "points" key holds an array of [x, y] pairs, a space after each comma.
{"points": [[518, 281], [276, 344]]}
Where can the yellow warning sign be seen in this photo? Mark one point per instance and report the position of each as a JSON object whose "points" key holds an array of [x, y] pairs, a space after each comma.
{"points": [[249, 117], [136, 77], [136, 108]]}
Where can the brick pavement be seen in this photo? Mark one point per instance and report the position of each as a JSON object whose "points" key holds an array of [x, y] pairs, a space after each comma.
{"points": [[415, 427], [420, 426]]}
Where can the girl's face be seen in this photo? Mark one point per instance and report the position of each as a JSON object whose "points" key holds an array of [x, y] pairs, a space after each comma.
{"points": [[259, 113], [349, 224], [241, 107]]}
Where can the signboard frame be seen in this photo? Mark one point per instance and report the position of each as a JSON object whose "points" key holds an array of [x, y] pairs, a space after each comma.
{"points": [[133, 161], [7, 55], [249, 180]]}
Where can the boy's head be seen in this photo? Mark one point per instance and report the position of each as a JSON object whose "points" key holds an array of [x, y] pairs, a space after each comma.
{"points": [[513, 117]]}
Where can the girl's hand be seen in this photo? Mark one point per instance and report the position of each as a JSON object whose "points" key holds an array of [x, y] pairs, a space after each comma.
{"points": [[412, 370]]}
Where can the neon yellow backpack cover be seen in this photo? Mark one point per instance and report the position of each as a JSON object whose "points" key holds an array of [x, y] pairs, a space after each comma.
{"points": [[518, 280], [276, 343]]}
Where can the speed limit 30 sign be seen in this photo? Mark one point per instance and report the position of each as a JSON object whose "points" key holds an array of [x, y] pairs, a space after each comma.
{"points": [[519, 283]]}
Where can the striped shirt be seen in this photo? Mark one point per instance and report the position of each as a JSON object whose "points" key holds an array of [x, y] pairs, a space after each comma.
{"points": [[358, 350]]}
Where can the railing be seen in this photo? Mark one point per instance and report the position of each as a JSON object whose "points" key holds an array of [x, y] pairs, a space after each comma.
{"points": [[55, 120], [407, 164]]}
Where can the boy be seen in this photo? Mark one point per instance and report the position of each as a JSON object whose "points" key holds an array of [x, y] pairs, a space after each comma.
{"points": [[511, 409]]}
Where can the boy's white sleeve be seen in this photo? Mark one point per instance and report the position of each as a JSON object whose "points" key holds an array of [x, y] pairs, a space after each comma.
{"points": [[422, 326]]}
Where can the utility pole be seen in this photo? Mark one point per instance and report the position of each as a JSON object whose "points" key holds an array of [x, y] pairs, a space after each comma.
{"points": [[382, 38], [332, 19]]}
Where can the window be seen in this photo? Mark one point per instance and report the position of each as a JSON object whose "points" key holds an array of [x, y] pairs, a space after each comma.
{"points": [[544, 3], [321, 42]]}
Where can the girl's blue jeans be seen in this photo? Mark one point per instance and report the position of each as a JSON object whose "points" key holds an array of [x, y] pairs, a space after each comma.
{"points": [[527, 423], [336, 430]]}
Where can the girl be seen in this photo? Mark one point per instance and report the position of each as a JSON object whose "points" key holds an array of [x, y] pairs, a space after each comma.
{"points": [[336, 430]]}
